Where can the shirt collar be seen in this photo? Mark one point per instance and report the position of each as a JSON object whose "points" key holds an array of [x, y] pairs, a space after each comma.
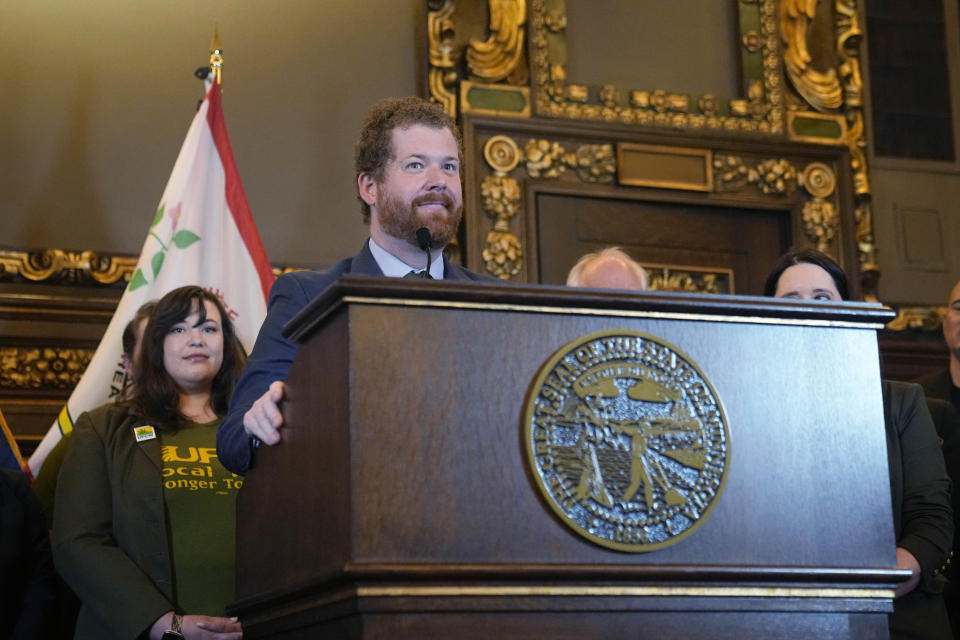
{"points": [[394, 267]]}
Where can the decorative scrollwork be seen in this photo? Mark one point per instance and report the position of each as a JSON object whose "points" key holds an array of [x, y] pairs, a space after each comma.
{"points": [[442, 75], [56, 265], [500, 55], [820, 89], [42, 368], [918, 319]]}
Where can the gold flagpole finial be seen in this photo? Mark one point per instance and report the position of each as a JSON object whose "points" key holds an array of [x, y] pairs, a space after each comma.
{"points": [[216, 54]]}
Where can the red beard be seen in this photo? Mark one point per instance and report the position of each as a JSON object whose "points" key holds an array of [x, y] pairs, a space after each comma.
{"points": [[401, 220]]}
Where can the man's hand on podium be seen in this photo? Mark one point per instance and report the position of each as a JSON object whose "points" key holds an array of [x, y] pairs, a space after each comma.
{"points": [[263, 420]]}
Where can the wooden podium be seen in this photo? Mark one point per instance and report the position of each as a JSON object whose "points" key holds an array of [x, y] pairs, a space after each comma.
{"points": [[401, 503]]}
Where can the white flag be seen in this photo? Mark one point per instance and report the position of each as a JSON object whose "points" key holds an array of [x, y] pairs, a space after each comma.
{"points": [[202, 234]]}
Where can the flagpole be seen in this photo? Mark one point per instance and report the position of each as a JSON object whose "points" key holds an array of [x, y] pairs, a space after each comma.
{"points": [[216, 54]]}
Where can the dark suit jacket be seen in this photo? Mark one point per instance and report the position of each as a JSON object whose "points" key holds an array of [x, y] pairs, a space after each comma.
{"points": [[27, 579], [920, 494], [946, 419], [109, 527], [273, 354]]}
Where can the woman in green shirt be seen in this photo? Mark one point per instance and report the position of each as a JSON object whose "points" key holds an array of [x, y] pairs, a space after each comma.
{"points": [[144, 526]]}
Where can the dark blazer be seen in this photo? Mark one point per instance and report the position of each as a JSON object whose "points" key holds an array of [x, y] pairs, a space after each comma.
{"points": [[109, 527], [27, 579], [920, 495], [937, 385], [273, 354], [946, 419]]}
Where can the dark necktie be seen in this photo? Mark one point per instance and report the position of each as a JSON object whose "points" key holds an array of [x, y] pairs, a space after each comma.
{"points": [[425, 275]]}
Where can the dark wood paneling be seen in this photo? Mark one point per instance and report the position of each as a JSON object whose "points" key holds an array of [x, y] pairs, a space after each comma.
{"points": [[745, 240]]}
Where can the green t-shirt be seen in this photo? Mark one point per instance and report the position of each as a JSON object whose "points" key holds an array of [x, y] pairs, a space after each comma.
{"points": [[199, 497]]}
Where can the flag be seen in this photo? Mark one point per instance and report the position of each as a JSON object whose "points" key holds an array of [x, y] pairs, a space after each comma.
{"points": [[9, 451], [202, 233]]}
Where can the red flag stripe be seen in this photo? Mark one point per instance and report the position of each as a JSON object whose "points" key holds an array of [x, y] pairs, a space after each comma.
{"points": [[236, 198]]}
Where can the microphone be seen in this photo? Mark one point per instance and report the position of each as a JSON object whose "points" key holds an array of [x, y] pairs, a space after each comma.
{"points": [[425, 242]]}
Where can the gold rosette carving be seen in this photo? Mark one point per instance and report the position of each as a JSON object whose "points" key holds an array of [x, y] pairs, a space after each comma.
{"points": [[776, 177], [544, 158], [501, 153], [596, 162], [42, 368]]}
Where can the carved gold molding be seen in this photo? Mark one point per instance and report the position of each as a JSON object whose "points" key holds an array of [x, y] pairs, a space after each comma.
{"points": [[543, 159], [42, 368], [663, 277], [56, 265], [820, 89], [500, 56], [849, 37], [761, 110], [820, 217], [502, 252], [772, 176], [442, 75], [918, 319], [833, 100]]}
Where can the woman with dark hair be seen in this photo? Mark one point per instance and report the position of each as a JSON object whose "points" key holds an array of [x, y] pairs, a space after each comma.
{"points": [[919, 486], [144, 525], [807, 261]]}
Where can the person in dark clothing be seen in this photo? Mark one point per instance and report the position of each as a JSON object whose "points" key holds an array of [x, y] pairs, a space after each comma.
{"points": [[27, 578], [919, 485]]}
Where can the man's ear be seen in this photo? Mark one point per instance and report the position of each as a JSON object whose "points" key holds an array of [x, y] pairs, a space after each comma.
{"points": [[367, 188]]}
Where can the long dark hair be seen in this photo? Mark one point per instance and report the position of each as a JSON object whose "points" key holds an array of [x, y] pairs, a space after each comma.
{"points": [[156, 397], [809, 256]]}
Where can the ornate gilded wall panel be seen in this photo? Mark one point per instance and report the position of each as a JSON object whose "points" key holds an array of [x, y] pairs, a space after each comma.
{"points": [[758, 110], [799, 62], [510, 164], [73, 267]]}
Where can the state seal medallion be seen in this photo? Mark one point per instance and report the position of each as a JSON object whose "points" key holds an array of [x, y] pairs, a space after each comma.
{"points": [[627, 440]]}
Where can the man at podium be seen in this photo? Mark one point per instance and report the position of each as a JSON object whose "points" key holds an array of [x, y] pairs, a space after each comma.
{"points": [[408, 165]]}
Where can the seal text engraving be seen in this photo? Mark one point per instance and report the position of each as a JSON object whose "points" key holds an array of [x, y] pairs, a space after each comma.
{"points": [[627, 440]]}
